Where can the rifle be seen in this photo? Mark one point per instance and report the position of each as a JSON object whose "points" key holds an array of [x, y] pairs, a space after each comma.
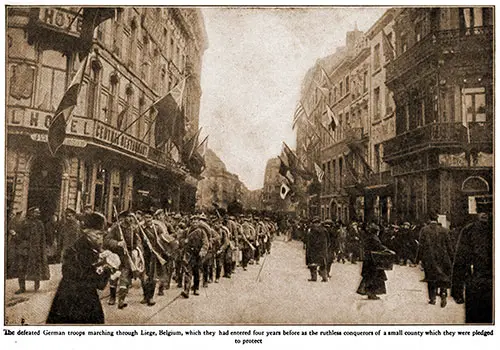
{"points": [[133, 266], [150, 246]]}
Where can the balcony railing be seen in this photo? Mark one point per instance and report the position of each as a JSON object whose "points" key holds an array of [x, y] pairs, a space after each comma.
{"points": [[458, 40], [435, 134]]}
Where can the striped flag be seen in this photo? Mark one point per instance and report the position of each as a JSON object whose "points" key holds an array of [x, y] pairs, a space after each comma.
{"points": [[332, 118], [319, 172], [299, 112], [57, 128]]}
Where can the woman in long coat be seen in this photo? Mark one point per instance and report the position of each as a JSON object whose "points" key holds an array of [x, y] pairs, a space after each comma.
{"points": [[83, 273], [373, 278]]}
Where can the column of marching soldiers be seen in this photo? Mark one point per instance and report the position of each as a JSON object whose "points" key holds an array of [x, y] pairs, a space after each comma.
{"points": [[161, 249]]}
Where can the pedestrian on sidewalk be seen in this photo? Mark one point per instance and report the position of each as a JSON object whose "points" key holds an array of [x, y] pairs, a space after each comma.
{"points": [[84, 270], [437, 254], [31, 258], [373, 276], [473, 266], [317, 250]]}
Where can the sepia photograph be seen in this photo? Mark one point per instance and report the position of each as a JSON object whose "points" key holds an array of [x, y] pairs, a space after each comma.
{"points": [[248, 166]]}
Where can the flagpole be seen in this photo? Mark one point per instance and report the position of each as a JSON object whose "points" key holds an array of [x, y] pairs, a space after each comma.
{"points": [[147, 110]]}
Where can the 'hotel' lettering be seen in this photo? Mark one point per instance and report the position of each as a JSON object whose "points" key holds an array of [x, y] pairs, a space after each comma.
{"points": [[34, 119]]}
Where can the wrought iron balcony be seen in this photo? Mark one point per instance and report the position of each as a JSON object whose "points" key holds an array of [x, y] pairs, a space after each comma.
{"points": [[458, 41], [430, 135]]}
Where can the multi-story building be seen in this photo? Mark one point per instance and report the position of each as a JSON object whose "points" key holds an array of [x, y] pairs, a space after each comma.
{"points": [[218, 187], [442, 81], [107, 159], [357, 183]]}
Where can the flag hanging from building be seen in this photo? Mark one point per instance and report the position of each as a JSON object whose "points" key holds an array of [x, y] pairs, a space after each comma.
{"points": [[319, 172], [332, 118], [299, 113], [169, 122], [294, 164], [190, 145], [202, 147], [57, 128], [389, 52], [325, 78], [324, 90], [284, 170], [284, 190]]}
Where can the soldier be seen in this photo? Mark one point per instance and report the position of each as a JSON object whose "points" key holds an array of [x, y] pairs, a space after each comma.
{"points": [[223, 253], [195, 250], [166, 270], [153, 259], [248, 236], [181, 231], [123, 239], [31, 255], [332, 245], [317, 250], [209, 259]]}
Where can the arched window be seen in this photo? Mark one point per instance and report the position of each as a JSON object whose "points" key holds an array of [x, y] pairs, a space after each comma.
{"points": [[112, 99], [93, 88]]}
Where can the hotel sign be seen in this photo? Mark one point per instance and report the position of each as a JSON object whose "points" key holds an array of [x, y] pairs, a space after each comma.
{"points": [[37, 123], [61, 20]]}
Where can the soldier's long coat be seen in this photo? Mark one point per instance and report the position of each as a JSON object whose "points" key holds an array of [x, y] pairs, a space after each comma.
{"points": [[317, 245]]}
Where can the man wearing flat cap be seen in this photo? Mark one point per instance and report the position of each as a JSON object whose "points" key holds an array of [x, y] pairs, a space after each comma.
{"points": [[32, 264], [84, 271], [473, 266], [123, 239]]}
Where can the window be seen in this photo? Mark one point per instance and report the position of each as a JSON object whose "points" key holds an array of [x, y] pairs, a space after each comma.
{"points": [[474, 104], [376, 103], [93, 88], [388, 102], [377, 158], [334, 94], [347, 85], [341, 89], [340, 172], [376, 57], [418, 31], [404, 43], [113, 97], [334, 173], [365, 81]]}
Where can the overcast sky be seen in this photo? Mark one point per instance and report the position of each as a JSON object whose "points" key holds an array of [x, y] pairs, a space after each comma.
{"points": [[252, 73]]}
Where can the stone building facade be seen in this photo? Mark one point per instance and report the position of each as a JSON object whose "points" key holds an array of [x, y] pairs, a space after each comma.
{"points": [[106, 160]]}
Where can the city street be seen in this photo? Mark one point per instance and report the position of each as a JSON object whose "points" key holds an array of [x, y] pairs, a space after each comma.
{"points": [[274, 292]]}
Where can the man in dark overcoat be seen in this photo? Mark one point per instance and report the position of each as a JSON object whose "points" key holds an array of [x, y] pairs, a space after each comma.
{"points": [[83, 273], [473, 267], [437, 256], [31, 257], [317, 250]]}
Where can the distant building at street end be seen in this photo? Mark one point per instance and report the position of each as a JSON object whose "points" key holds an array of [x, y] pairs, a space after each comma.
{"points": [[218, 187]]}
